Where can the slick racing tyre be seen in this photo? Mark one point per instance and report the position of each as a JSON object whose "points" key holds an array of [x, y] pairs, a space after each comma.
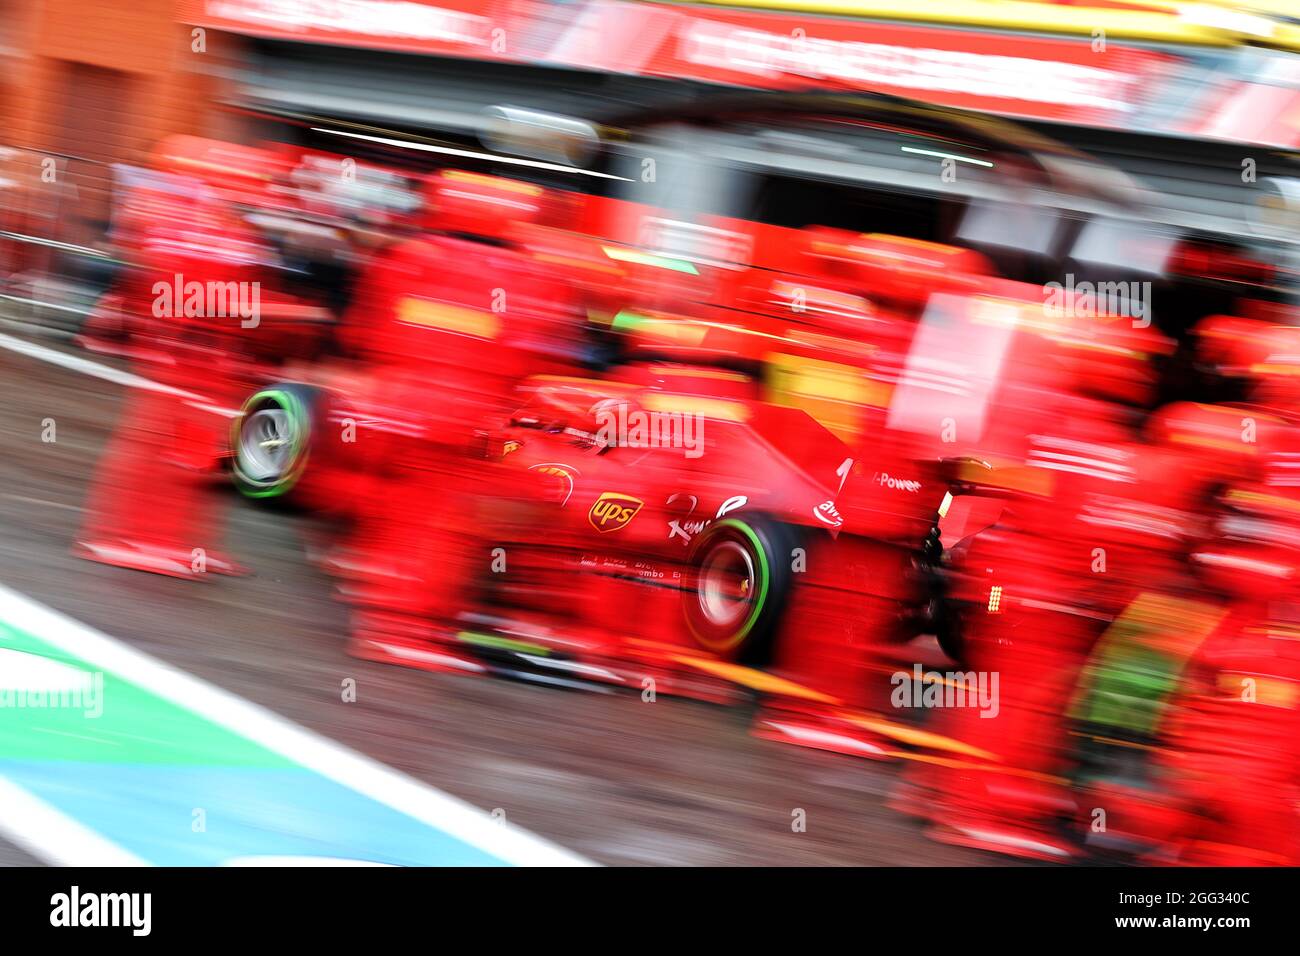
{"points": [[737, 582], [272, 439]]}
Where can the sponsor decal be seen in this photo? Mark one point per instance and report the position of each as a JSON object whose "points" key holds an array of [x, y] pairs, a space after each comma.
{"points": [[613, 511], [827, 515], [886, 480], [617, 567], [731, 504], [687, 527], [564, 472]]}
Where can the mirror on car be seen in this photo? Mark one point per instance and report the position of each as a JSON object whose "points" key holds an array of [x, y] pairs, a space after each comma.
{"points": [[1276, 213], [548, 137]]}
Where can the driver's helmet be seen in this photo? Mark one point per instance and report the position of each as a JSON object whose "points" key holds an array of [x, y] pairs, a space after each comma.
{"points": [[577, 408]]}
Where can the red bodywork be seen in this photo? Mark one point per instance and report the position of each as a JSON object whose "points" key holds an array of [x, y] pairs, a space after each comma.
{"points": [[819, 393]]}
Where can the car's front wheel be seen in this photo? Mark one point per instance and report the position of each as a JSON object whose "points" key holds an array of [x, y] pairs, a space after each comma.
{"points": [[272, 439]]}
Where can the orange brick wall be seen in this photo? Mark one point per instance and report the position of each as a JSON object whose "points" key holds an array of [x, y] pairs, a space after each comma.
{"points": [[135, 50], [101, 81]]}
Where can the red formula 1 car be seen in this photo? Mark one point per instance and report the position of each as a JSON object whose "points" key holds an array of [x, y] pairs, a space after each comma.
{"points": [[816, 373], [678, 530], [680, 520]]}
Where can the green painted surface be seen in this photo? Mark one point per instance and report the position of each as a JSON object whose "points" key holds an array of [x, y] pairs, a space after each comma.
{"points": [[134, 726]]}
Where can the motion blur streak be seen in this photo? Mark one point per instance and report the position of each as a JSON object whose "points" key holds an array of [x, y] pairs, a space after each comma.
{"points": [[924, 392]]}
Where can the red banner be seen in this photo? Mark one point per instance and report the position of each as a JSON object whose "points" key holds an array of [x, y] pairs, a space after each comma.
{"points": [[1044, 78], [470, 28]]}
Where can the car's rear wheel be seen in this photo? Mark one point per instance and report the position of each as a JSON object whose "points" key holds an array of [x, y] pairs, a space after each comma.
{"points": [[738, 579], [272, 439]]}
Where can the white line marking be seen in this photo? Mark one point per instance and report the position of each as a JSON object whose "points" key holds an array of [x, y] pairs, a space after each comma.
{"points": [[282, 861], [55, 244], [78, 364], [960, 159], [53, 836], [108, 373], [332, 760], [471, 154], [41, 501]]}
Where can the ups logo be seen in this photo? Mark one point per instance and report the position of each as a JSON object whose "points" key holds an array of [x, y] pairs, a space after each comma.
{"points": [[613, 511]]}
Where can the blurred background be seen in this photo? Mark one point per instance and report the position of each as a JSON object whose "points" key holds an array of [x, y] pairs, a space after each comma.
{"points": [[907, 381], [1178, 89]]}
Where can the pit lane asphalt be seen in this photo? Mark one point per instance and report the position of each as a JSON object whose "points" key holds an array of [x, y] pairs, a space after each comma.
{"points": [[615, 779]]}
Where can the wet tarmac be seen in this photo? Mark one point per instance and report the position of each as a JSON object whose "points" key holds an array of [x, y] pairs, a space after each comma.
{"points": [[608, 776]]}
